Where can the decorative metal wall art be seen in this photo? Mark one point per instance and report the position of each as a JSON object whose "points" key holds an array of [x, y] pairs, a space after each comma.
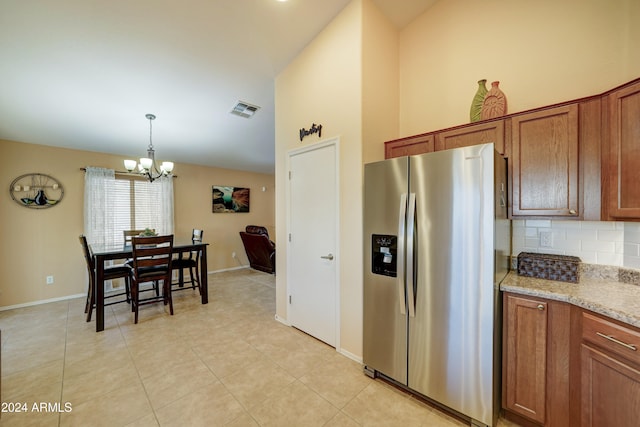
{"points": [[36, 191]]}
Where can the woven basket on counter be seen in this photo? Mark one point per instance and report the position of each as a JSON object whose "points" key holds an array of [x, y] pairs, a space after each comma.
{"points": [[552, 267]]}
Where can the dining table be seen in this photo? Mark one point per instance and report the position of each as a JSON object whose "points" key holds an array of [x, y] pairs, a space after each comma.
{"points": [[103, 252]]}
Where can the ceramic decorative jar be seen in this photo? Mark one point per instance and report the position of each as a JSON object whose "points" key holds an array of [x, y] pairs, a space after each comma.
{"points": [[478, 99]]}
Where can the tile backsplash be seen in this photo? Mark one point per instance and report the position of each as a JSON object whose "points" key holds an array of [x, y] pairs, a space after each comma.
{"points": [[595, 242]]}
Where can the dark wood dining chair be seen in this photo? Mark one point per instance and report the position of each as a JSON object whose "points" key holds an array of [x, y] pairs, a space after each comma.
{"points": [[151, 263], [128, 234], [111, 272], [191, 262]]}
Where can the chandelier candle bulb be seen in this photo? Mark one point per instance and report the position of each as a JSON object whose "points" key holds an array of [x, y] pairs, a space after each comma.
{"points": [[167, 167], [130, 165], [146, 163]]}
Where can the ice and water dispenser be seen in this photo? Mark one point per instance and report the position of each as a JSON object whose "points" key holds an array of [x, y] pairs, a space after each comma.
{"points": [[384, 250]]}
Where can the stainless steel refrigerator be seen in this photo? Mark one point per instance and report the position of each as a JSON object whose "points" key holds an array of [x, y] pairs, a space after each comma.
{"points": [[437, 243]]}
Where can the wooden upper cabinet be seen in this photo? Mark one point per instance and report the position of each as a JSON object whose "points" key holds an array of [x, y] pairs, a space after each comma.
{"points": [[622, 167], [579, 159], [544, 163], [471, 135], [410, 146]]}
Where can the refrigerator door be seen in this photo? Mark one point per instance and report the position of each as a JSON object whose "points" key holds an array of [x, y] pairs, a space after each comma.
{"points": [[384, 293], [451, 336]]}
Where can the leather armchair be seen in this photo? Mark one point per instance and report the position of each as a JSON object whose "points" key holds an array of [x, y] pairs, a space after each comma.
{"points": [[261, 251]]}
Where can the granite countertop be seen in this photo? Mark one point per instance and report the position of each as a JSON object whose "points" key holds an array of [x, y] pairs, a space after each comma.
{"points": [[599, 292]]}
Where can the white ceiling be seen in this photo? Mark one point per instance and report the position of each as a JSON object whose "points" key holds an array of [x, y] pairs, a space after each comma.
{"points": [[83, 73]]}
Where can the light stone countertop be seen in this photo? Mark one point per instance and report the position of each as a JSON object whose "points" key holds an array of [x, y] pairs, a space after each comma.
{"points": [[620, 301]]}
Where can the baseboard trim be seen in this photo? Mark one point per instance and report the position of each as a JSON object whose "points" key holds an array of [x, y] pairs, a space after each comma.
{"points": [[242, 267], [282, 320], [68, 297], [350, 355], [44, 301]]}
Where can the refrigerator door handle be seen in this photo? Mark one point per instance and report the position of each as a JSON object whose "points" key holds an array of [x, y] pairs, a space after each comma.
{"points": [[411, 301], [400, 261]]}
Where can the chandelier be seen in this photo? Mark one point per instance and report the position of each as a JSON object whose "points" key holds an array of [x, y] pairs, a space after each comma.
{"points": [[147, 166]]}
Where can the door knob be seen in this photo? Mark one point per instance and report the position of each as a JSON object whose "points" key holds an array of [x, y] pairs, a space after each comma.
{"points": [[329, 257]]}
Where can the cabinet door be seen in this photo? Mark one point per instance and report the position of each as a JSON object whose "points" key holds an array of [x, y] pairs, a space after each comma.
{"points": [[472, 135], [409, 146], [623, 166], [610, 390], [544, 163], [526, 356]]}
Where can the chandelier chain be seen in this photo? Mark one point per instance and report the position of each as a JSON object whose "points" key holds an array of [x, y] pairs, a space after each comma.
{"points": [[151, 118]]}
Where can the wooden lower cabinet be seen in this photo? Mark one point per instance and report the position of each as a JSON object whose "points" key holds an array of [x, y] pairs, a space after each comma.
{"points": [[526, 357], [610, 390], [609, 373], [536, 349], [567, 366]]}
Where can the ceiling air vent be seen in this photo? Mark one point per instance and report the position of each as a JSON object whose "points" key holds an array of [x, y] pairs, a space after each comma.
{"points": [[244, 109]]}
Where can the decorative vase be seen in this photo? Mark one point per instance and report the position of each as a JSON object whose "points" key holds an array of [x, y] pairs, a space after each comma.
{"points": [[478, 99], [495, 103], [41, 198]]}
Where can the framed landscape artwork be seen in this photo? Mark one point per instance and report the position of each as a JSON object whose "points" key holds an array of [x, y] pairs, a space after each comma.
{"points": [[230, 199]]}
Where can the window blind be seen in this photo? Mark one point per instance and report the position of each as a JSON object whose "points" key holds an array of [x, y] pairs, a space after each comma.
{"points": [[136, 206]]}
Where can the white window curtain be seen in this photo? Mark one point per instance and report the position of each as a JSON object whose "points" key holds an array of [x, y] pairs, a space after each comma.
{"points": [[165, 186], [113, 205], [99, 222]]}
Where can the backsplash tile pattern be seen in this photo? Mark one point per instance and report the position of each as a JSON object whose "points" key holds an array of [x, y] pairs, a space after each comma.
{"points": [[595, 242], [631, 245]]}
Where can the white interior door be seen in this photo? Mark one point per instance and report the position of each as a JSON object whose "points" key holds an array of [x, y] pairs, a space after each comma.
{"points": [[312, 253]]}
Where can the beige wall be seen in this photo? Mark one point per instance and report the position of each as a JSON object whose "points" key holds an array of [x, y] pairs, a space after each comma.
{"points": [[40, 243], [542, 52], [380, 83], [323, 85]]}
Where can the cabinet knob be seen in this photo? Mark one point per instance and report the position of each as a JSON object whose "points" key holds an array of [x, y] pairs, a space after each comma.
{"points": [[540, 307], [572, 211]]}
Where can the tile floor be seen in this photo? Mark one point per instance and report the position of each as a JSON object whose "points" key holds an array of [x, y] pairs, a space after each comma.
{"points": [[227, 363]]}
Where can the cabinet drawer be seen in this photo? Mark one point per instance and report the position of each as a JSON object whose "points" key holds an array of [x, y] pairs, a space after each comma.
{"points": [[615, 338]]}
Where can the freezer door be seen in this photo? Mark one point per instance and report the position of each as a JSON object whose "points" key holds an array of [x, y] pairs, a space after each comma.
{"points": [[385, 319], [451, 335]]}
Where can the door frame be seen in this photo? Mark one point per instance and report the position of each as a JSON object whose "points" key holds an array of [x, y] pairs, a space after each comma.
{"points": [[335, 141]]}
